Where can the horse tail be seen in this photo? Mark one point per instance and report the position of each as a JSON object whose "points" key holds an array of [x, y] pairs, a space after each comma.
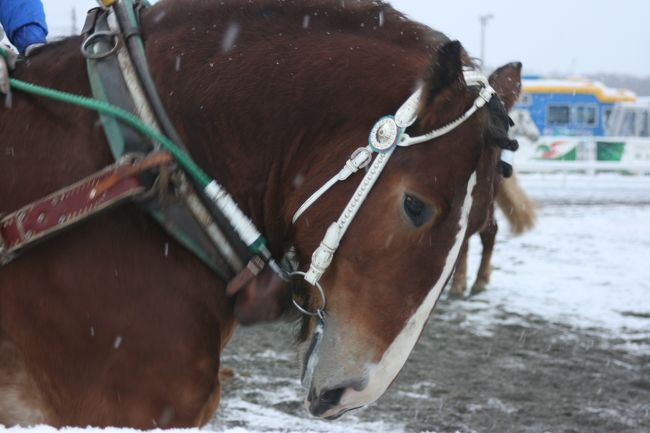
{"points": [[518, 208]]}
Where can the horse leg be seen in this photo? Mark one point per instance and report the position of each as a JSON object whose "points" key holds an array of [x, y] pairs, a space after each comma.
{"points": [[459, 280], [20, 399], [488, 235]]}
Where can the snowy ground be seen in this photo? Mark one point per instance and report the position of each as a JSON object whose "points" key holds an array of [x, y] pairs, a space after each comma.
{"points": [[568, 303], [573, 291], [560, 341], [587, 263]]}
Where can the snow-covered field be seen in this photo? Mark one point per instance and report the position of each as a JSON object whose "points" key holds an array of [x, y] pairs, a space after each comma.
{"points": [[586, 265], [577, 286], [587, 262]]}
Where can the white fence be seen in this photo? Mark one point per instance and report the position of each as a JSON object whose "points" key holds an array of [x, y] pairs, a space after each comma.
{"points": [[588, 167], [589, 155]]}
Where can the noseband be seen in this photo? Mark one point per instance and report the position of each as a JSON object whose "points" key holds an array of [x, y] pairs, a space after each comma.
{"points": [[386, 135]]}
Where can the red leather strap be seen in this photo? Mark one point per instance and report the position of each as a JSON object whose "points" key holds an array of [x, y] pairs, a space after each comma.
{"points": [[66, 207]]}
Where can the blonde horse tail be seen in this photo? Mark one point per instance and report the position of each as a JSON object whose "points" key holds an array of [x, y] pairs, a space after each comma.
{"points": [[518, 208]]}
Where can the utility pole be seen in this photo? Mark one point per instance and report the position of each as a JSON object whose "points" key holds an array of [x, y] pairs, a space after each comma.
{"points": [[74, 21], [484, 20]]}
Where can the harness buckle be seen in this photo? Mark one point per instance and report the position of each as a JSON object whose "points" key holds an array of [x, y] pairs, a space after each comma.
{"points": [[359, 159], [484, 96]]}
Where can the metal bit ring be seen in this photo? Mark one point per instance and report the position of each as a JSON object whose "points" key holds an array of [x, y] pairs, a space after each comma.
{"points": [[320, 312]]}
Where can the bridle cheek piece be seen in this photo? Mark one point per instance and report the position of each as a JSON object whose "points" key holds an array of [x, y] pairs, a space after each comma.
{"points": [[386, 135]]}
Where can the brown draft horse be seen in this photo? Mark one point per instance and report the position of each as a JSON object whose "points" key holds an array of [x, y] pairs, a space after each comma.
{"points": [[519, 211], [113, 323]]}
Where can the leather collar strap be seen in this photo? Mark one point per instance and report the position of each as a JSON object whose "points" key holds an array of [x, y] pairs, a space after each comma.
{"points": [[119, 74], [69, 206]]}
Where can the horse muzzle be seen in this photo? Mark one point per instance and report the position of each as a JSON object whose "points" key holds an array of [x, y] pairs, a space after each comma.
{"points": [[334, 380], [332, 403]]}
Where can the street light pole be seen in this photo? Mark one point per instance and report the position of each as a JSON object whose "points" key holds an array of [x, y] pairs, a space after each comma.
{"points": [[74, 21], [484, 20]]}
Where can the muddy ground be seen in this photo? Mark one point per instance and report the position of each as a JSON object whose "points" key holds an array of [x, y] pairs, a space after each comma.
{"points": [[521, 374]]}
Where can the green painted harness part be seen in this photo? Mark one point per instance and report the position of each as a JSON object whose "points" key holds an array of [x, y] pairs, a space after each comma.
{"points": [[124, 116], [111, 115], [117, 144], [109, 123], [115, 113]]}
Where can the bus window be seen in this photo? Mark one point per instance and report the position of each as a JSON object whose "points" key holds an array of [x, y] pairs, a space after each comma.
{"points": [[645, 127], [586, 115], [628, 127], [559, 115]]}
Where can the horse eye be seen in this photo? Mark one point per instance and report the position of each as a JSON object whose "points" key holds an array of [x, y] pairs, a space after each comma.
{"points": [[416, 210]]}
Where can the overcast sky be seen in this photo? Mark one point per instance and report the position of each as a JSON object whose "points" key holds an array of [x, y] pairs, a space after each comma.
{"points": [[549, 36]]}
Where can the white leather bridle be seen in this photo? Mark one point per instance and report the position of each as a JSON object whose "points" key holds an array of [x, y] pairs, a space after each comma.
{"points": [[386, 135]]}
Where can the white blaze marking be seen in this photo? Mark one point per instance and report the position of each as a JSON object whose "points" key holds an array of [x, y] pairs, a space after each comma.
{"points": [[382, 374]]}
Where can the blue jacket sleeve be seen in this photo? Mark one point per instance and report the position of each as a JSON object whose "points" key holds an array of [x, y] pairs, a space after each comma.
{"points": [[24, 22]]}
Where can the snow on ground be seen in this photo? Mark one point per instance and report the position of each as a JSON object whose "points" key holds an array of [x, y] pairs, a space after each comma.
{"points": [[586, 264]]}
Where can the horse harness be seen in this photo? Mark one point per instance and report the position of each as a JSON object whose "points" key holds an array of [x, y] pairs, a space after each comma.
{"points": [[385, 137], [206, 221], [118, 74]]}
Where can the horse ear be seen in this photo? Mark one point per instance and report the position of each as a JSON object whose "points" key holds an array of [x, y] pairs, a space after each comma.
{"points": [[507, 82], [445, 70], [263, 298]]}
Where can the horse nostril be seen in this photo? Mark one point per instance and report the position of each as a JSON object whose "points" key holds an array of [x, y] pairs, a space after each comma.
{"points": [[331, 397], [325, 401]]}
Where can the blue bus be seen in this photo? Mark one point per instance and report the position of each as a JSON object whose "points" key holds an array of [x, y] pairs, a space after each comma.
{"points": [[570, 107]]}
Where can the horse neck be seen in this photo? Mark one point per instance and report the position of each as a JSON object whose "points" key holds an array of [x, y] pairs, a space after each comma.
{"points": [[59, 65], [59, 141], [271, 152], [272, 118]]}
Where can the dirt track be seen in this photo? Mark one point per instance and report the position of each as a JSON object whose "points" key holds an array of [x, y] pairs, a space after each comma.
{"points": [[523, 374]]}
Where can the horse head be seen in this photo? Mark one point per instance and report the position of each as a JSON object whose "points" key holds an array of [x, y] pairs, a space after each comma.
{"points": [[287, 100], [399, 252], [270, 98]]}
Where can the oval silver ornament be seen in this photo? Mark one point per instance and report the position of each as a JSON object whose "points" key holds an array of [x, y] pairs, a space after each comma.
{"points": [[384, 135]]}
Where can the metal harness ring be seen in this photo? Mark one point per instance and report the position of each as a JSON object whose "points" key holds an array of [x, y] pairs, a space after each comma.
{"points": [[320, 312], [88, 44]]}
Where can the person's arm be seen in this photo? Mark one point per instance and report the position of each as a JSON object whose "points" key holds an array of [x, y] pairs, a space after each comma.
{"points": [[23, 22]]}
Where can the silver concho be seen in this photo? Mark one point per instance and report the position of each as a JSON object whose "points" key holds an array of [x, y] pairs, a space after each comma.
{"points": [[384, 134]]}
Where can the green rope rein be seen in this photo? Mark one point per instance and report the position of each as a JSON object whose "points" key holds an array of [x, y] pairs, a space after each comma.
{"points": [[128, 118], [184, 160]]}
